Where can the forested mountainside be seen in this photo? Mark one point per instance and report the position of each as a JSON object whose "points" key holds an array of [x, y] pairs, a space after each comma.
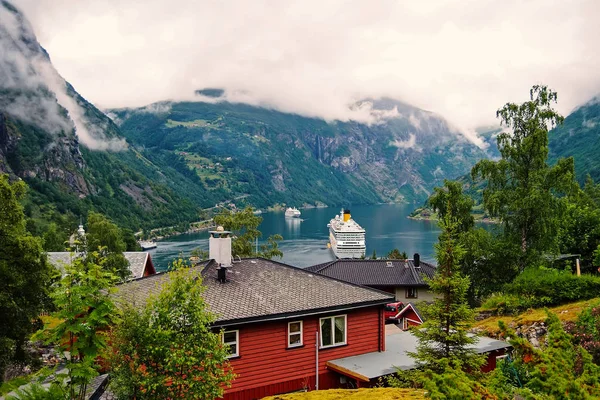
{"points": [[579, 136], [72, 156], [277, 157], [181, 157]]}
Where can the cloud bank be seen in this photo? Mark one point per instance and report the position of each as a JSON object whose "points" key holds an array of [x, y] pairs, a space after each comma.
{"points": [[35, 92], [462, 59]]}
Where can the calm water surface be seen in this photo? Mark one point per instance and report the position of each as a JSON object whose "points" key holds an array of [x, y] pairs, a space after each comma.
{"points": [[305, 239]]}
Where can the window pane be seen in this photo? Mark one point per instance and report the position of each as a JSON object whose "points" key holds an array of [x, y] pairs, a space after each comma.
{"points": [[233, 348], [295, 327], [229, 337], [295, 339], [340, 336], [326, 339]]}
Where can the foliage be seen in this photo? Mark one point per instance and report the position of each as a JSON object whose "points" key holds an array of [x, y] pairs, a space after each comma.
{"points": [[562, 370], [396, 255], [85, 311], [489, 262], [54, 239], [105, 239], [167, 349], [353, 394], [36, 391], [586, 331], [244, 225], [552, 287], [450, 200], [24, 276], [453, 384], [521, 188], [444, 339]]}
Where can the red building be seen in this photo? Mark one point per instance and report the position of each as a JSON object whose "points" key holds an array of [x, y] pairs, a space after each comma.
{"points": [[283, 324]]}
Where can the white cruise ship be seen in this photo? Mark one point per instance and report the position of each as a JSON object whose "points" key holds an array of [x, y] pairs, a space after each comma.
{"points": [[292, 212], [346, 237]]}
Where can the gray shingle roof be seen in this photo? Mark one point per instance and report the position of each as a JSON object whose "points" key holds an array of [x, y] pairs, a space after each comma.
{"points": [[377, 272], [137, 260], [260, 289]]}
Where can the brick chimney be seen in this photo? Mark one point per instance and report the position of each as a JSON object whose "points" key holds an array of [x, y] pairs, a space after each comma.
{"points": [[219, 246]]}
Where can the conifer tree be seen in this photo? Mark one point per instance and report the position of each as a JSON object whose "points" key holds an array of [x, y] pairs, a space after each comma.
{"points": [[443, 338]]}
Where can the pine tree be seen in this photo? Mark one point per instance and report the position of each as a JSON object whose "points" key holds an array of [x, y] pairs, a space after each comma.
{"points": [[443, 338]]}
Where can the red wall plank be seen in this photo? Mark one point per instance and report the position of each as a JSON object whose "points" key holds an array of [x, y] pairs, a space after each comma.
{"points": [[266, 366]]}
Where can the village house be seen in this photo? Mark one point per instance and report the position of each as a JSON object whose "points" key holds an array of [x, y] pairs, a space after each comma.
{"points": [[289, 329], [140, 262], [283, 324], [403, 278]]}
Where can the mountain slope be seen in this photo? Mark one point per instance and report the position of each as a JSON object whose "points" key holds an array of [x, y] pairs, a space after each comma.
{"points": [[579, 137], [276, 157], [74, 157]]}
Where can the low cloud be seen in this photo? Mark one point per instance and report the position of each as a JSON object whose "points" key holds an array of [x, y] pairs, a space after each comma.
{"points": [[408, 144], [35, 92], [462, 59]]}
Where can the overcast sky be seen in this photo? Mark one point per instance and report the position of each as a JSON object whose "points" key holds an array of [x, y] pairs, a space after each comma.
{"points": [[462, 59]]}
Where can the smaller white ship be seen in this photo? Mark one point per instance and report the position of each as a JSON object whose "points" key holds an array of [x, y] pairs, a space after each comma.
{"points": [[147, 245], [292, 212]]}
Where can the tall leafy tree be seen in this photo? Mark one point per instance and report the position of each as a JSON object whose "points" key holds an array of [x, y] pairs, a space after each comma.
{"points": [[105, 239], [450, 200], [24, 275], [522, 189], [395, 254], [167, 349], [85, 312], [244, 225]]}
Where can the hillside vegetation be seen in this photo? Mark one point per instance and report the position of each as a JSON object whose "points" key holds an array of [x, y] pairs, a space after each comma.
{"points": [[354, 394]]}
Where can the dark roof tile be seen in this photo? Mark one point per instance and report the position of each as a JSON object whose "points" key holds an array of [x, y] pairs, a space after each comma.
{"points": [[377, 272], [260, 289]]}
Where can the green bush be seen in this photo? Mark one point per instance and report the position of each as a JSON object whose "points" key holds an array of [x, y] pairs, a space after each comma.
{"points": [[541, 287]]}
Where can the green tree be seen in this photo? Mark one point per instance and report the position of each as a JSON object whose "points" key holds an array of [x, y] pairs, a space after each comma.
{"points": [[396, 255], [374, 255], [167, 349], [244, 225], [521, 187], [24, 276], [85, 311], [444, 339], [54, 239], [105, 239], [131, 243], [450, 200]]}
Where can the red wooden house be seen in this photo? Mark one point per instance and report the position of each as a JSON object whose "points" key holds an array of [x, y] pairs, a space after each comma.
{"points": [[283, 324]]}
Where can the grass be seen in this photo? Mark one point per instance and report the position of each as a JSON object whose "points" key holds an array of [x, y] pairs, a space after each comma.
{"points": [[354, 394], [197, 123], [565, 312]]}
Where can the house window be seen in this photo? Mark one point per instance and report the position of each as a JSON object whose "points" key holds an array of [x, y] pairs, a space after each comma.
{"points": [[232, 340], [333, 331], [295, 334], [412, 293]]}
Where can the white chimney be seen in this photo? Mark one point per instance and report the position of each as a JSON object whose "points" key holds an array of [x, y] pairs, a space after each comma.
{"points": [[219, 246]]}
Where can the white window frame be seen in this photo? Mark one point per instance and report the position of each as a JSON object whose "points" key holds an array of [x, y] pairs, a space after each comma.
{"points": [[334, 344], [237, 342], [289, 335]]}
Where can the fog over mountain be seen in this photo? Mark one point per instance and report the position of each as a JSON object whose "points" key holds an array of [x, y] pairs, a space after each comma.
{"points": [[461, 59]]}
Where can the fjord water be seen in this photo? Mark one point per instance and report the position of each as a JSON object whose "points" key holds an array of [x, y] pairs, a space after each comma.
{"points": [[305, 239]]}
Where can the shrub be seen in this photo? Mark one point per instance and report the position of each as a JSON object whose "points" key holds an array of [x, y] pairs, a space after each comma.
{"points": [[553, 287], [586, 331]]}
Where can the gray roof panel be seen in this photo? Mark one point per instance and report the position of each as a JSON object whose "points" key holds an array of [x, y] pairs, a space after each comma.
{"points": [[260, 289], [377, 272]]}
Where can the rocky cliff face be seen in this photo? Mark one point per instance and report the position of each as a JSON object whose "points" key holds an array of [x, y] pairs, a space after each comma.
{"points": [[399, 157]]}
